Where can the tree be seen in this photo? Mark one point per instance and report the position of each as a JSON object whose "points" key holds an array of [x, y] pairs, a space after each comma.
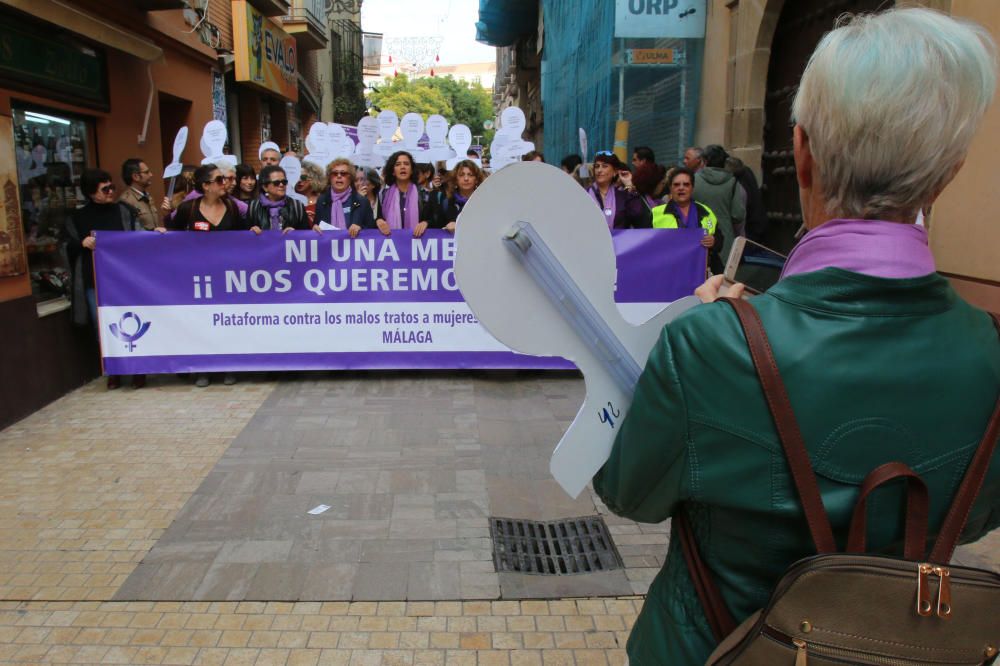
{"points": [[459, 102], [400, 95]]}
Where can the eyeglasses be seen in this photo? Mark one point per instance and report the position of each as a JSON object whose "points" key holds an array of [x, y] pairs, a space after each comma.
{"points": [[303, 177], [229, 179], [218, 180], [340, 174], [604, 152], [281, 182], [108, 189]]}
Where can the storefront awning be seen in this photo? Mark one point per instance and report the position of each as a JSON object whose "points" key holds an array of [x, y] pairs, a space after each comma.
{"points": [[501, 22], [64, 15]]}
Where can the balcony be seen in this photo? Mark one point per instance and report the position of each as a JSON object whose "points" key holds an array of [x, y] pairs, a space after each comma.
{"points": [[306, 21], [271, 7]]}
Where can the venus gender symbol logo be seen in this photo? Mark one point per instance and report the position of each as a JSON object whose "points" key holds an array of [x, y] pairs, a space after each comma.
{"points": [[118, 330]]}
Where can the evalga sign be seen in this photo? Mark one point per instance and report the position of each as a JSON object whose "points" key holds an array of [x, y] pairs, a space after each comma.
{"points": [[236, 301], [265, 54], [660, 18]]}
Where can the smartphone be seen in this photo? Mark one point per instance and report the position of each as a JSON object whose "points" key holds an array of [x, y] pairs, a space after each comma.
{"points": [[756, 266]]}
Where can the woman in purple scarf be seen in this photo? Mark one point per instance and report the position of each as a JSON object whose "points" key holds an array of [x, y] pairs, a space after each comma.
{"points": [[342, 206], [400, 207], [622, 209], [462, 182], [273, 210]]}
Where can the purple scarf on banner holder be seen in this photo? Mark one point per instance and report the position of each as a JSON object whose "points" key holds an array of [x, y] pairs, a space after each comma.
{"points": [[611, 204], [337, 218], [871, 247], [273, 210], [460, 199], [390, 208]]}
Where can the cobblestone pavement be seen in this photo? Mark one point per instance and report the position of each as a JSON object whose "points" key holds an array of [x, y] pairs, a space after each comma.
{"points": [[90, 485]]}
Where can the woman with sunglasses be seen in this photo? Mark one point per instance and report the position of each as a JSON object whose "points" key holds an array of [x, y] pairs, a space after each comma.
{"points": [[273, 210], [400, 206], [462, 182], [212, 210], [342, 206], [622, 209], [100, 213], [229, 178]]}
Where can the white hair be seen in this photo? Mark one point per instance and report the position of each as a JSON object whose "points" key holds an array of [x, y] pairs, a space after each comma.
{"points": [[890, 103]]}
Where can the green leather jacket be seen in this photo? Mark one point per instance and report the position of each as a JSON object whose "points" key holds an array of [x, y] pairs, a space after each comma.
{"points": [[878, 370]]}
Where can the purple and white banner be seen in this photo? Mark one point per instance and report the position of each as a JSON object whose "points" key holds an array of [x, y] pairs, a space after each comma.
{"points": [[187, 301]]}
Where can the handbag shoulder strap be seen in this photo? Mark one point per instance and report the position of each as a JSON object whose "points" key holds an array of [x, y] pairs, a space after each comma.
{"points": [[972, 482], [786, 425]]}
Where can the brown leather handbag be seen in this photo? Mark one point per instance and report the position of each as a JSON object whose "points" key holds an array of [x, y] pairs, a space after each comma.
{"points": [[851, 608]]}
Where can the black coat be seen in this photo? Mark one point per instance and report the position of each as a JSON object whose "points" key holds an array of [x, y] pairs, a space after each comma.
{"points": [[293, 215], [361, 211]]}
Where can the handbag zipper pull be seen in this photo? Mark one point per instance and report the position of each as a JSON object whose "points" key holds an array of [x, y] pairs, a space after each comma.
{"points": [[801, 653], [944, 593], [924, 608]]}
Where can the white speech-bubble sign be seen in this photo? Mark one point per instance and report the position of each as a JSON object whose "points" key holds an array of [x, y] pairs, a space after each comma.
{"points": [[388, 121], [175, 167], [512, 121], [460, 138], [412, 128]]}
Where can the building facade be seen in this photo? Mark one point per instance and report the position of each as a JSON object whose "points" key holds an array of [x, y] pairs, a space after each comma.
{"points": [[757, 52], [94, 82]]}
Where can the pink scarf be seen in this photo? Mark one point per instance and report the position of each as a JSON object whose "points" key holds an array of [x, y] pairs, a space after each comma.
{"points": [[871, 247], [390, 208], [338, 201]]}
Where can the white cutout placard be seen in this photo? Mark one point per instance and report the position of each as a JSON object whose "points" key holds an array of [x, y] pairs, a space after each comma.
{"points": [[512, 121], [388, 123], [437, 137], [365, 155], [213, 142], [518, 313], [460, 138], [175, 167], [293, 171], [268, 145]]}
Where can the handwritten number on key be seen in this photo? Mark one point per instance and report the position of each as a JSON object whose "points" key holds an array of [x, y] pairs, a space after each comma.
{"points": [[609, 414]]}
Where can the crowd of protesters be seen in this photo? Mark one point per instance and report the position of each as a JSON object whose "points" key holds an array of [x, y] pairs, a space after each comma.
{"points": [[709, 190]]}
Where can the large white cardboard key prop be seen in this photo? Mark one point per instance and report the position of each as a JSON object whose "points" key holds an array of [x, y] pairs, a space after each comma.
{"points": [[539, 272], [175, 167], [213, 142]]}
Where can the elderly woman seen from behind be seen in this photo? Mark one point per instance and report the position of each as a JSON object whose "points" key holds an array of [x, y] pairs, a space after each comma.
{"points": [[881, 359], [341, 206]]}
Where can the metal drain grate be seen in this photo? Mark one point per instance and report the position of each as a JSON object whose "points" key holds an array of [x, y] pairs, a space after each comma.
{"points": [[556, 548]]}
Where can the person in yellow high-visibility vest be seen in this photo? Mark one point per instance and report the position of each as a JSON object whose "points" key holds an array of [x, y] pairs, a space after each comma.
{"points": [[682, 211]]}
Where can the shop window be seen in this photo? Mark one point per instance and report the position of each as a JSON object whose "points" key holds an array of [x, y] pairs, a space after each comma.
{"points": [[52, 149]]}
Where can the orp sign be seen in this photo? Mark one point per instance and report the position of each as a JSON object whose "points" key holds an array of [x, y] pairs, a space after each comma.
{"points": [[660, 18]]}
